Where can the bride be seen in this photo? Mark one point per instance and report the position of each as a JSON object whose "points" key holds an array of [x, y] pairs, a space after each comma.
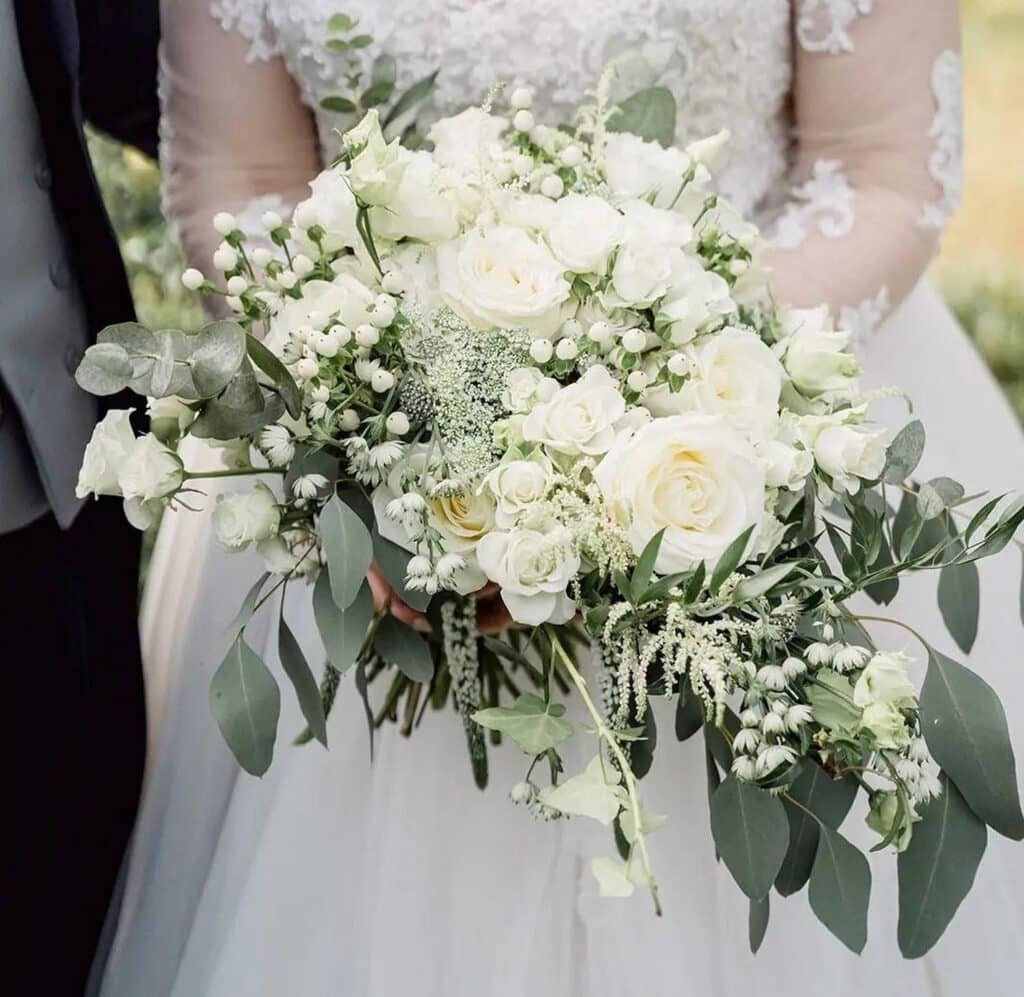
{"points": [[330, 877]]}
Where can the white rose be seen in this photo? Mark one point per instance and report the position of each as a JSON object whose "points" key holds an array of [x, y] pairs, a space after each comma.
{"points": [[785, 465], [532, 212], [533, 564], [814, 356], [708, 151], [732, 372], [150, 470], [694, 476], [240, 519], [418, 267], [418, 207], [635, 168], [109, 445], [524, 387], [516, 486], [345, 295], [580, 418], [376, 168], [170, 409], [848, 453], [467, 141], [333, 208], [584, 232], [501, 277], [695, 296], [885, 680]]}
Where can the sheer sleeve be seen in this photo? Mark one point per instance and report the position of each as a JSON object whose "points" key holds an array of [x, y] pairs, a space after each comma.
{"points": [[877, 169], [235, 133]]}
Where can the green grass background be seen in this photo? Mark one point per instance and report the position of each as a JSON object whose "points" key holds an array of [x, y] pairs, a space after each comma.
{"points": [[980, 268]]}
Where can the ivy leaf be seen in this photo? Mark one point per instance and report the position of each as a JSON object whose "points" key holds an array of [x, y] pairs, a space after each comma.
{"points": [[650, 114], [904, 453], [400, 645], [348, 549], [959, 596], [757, 922], [246, 703], [307, 691], [342, 631], [594, 793], [533, 724], [964, 725], [730, 559], [841, 888], [936, 871], [751, 834]]}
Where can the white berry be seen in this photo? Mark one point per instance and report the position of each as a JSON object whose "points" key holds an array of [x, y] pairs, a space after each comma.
{"points": [[677, 364], [192, 279], [522, 98], [552, 186], [382, 380], [224, 223], [367, 336], [567, 349], [303, 265], [398, 424], [393, 282], [601, 333], [306, 368], [541, 350], [572, 156], [237, 285], [634, 340], [271, 220], [638, 380], [349, 420]]}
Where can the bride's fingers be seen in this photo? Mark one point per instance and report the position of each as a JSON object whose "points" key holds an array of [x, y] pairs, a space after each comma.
{"points": [[382, 592], [408, 615]]}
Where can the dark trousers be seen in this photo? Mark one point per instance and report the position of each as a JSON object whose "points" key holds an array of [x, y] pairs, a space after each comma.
{"points": [[74, 733]]}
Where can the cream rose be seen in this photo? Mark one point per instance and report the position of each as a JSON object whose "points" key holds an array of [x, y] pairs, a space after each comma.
{"points": [[584, 232], [694, 476], [885, 680], [240, 519], [580, 418], [332, 207], [525, 387], [501, 277], [695, 296], [814, 353], [517, 485], [848, 453], [111, 441]]}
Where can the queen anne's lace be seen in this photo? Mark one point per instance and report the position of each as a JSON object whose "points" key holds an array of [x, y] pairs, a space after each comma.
{"points": [[945, 163], [824, 25], [825, 200]]}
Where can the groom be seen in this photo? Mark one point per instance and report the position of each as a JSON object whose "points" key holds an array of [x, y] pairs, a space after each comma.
{"points": [[74, 722]]}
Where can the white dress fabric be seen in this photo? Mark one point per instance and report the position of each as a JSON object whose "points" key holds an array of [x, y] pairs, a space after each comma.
{"points": [[334, 877]]}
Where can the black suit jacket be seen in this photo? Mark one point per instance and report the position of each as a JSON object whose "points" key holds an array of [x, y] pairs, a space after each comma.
{"points": [[91, 60]]}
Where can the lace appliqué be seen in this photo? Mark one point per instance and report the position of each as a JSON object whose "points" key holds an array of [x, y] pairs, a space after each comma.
{"points": [[863, 319], [945, 164], [249, 19], [825, 200], [824, 25]]}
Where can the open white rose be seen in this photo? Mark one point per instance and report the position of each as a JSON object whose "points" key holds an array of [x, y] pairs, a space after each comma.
{"points": [[525, 387], [501, 277], [351, 299], [814, 353], [533, 564], [109, 445], [240, 519], [695, 296], [419, 208], [636, 168], [517, 485], [580, 418], [584, 232], [848, 453], [534, 213], [150, 470], [695, 476], [332, 206], [467, 141]]}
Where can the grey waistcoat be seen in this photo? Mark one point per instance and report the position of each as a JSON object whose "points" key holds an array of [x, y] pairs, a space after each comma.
{"points": [[45, 418]]}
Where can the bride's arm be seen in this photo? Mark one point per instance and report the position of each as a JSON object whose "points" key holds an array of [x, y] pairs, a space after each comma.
{"points": [[234, 128], [877, 168]]}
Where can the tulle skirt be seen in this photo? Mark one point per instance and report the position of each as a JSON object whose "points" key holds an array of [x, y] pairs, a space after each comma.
{"points": [[332, 876]]}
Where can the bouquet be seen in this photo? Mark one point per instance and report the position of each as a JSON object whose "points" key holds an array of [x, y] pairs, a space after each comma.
{"points": [[549, 359]]}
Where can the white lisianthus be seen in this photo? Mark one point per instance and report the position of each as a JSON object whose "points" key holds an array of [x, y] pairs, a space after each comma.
{"points": [[580, 418], [814, 353], [848, 453], [331, 206], [585, 230], [694, 476], [516, 486], [418, 208], [240, 519], [636, 168], [533, 563], [501, 277], [525, 387], [109, 445], [345, 295], [150, 470], [376, 168], [885, 680], [467, 141]]}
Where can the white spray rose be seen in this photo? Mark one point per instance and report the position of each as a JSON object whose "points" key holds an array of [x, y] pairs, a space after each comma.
{"points": [[848, 453], [150, 470], [525, 387], [533, 564], [517, 485], [534, 213], [467, 141], [584, 232], [501, 277], [376, 168], [109, 445], [885, 680], [580, 418], [814, 353], [694, 476], [419, 208], [240, 519], [636, 168]]}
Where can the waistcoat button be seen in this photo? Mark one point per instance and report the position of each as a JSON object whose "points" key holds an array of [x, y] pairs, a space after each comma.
{"points": [[59, 276], [44, 178]]}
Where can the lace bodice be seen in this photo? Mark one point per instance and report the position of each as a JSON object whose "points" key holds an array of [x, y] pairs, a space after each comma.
{"points": [[844, 113]]}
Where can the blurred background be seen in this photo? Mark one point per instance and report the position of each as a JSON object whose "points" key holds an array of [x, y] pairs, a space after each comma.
{"points": [[980, 269]]}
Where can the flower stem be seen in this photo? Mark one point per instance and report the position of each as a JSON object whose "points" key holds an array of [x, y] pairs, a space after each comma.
{"points": [[627, 772], [232, 472]]}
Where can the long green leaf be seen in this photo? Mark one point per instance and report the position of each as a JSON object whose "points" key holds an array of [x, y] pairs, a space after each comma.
{"points": [[278, 373], [959, 596], [689, 713], [307, 690], [757, 922], [645, 566], [841, 888], [400, 645], [348, 548], [730, 559], [342, 631]]}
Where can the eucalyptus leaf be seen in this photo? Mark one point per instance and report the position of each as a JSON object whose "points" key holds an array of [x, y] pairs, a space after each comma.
{"points": [[161, 374], [348, 549], [342, 631], [240, 409], [278, 373], [338, 105], [248, 607], [641, 751], [650, 114], [385, 69], [904, 453], [134, 338], [751, 834], [959, 596], [400, 645], [689, 713], [533, 724], [840, 889], [757, 922], [162, 378], [377, 93], [217, 356], [105, 369], [403, 111], [964, 725], [307, 690], [246, 703], [936, 871]]}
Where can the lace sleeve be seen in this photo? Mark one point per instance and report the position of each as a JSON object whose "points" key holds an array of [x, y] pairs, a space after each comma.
{"points": [[235, 134], [877, 170]]}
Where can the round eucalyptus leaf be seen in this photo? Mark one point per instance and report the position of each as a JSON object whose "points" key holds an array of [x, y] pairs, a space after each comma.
{"points": [[217, 356], [904, 453], [650, 114], [105, 369], [135, 338]]}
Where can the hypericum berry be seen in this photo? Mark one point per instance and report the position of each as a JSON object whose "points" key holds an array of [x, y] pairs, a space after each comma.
{"points": [[225, 258], [567, 349], [349, 420], [634, 340], [307, 368], [192, 279], [521, 98], [572, 156], [237, 285], [572, 328], [287, 279], [552, 186], [541, 350], [271, 220], [678, 364], [522, 165], [303, 265], [344, 334], [382, 380], [224, 223], [321, 393], [601, 333], [397, 424], [393, 282], [638, 380], [261, 256], [367, 336]]}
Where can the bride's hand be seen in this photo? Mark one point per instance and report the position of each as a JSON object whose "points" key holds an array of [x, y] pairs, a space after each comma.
{"points": [[384, 598], [491, 615]]}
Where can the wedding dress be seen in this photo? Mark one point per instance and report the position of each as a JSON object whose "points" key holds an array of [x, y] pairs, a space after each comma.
{"points": [[334, 877]]}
